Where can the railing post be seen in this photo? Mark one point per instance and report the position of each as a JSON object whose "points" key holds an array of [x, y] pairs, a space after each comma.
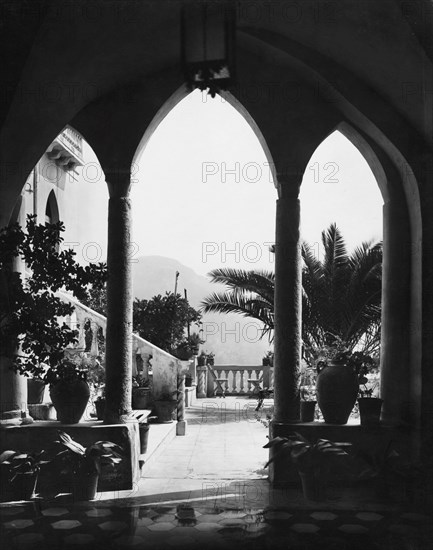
{"points": [[201, 382], [266, 376], [181, 422]]}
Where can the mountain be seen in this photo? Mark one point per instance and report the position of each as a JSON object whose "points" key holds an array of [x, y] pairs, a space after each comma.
{"points": [[233, 338]]}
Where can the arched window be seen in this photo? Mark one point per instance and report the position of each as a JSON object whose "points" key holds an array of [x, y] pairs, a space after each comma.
{"points": [[51, 209]]}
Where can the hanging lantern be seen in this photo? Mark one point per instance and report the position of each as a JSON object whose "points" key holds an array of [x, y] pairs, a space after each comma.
{"points": [[207, 34]]}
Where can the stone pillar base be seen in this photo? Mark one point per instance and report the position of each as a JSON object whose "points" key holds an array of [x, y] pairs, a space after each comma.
{"points": [[181, 427]]}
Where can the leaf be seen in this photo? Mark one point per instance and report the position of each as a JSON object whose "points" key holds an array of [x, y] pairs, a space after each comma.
{"points": [[75, 447], [6, 455], [275, 441]]}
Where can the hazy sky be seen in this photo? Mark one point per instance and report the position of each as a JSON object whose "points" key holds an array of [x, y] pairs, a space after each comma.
{"points": [[205, 195]]}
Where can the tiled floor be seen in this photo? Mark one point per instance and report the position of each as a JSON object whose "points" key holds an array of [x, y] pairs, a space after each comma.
{"points": [[108, 526], [208, 489]]}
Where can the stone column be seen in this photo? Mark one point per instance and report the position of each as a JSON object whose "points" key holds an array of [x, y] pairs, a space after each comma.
{"points": [[288, 302], [395, 336], [13, 387], [118, 360]]}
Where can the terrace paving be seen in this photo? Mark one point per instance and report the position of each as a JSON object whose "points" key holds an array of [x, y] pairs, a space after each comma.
{"points": [[209, 489]]}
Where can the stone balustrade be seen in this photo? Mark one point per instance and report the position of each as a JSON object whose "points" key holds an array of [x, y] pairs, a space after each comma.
{"points": [[241, 380]]}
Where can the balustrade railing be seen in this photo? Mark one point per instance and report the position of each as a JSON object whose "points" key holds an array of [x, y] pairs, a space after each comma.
{"points": [[242, 380]]}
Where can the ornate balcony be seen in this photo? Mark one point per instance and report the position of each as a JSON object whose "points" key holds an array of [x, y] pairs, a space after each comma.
{"points": [[67, 149]]}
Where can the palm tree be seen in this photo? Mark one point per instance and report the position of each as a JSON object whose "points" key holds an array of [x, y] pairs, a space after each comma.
{"points": [[341, 297], [251, 294]]}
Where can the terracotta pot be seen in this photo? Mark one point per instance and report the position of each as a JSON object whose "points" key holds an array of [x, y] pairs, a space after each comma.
{"points": [[144, 437], [165, 411], [85, 486], [141, 398], [35, 391], [70, 400], [21, 488], [307, 411], [336, 388], [369, 411], [100, 408], [313, 486]]}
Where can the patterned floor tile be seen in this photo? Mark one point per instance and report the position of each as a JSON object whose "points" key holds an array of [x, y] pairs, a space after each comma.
{"points": [[304, 528], [411, 516], [11, 511], [79, 538], [28, 539], [369, 516], [208, 526], [19, 524], [165, 518], [99, 513], [113, 525], [353, 529], [53, 512], [231, 514], [180, 541], [232, 522], [66, 524], [402, 529], [129, 541], [205, 518], [323, 516], [276, 515], [164, 526]]}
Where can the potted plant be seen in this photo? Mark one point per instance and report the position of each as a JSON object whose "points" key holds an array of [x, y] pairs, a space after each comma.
{"points": [[201, 359], [166, 405], [100, 405], [210, 359], [268, 359], [143, 428], [69, 390], [308, 395], [141, 393], [35, 390], [95, 378], [390, 472], [188, 379], [370, 405], [311, 459], [82, 465], [337, 385], [19, 474], [32, 333]]}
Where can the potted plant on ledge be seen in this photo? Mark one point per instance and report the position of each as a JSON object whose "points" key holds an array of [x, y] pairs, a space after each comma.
{"points": [[69, 390], [141, 393], [370, 405], [165, 405], [19, 474], [338, 375], [308, 395], [311, 459], [82, 465]]}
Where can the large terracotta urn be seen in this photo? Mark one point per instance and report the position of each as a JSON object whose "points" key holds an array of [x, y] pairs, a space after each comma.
{"points": [[70, 400], [337, 389]]}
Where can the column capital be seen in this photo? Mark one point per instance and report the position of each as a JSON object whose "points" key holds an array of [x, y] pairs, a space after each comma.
{"points": [[118, 183], [288, 186]]}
